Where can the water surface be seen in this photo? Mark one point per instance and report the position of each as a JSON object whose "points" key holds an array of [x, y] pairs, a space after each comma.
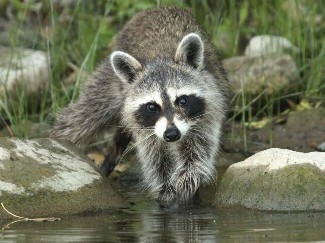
{"points": [[144, 221]]}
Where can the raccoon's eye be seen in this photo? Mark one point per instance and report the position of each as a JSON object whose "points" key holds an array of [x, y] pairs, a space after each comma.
{"points": [[182, 100], [152, 108]]}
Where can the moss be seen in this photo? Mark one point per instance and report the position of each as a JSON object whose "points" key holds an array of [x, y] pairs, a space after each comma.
{"points": [[296, 187], [94, 198], [27, 174]]}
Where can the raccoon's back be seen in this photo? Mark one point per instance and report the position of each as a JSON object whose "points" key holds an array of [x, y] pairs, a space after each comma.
{"points": [[156, 32]]}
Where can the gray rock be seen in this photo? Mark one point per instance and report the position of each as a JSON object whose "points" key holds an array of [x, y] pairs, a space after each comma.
{"points": [[45, 177], [275, 179], [254, 75], [23, 68]]}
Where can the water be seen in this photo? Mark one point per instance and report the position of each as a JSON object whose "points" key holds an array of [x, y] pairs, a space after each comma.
{"points": [[145, 222]]}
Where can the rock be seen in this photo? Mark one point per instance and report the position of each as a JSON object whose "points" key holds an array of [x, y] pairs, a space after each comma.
{"points": [[267, 44], [23, 68], [275, 179], [321, 147], [254, 75], [45, 177]]}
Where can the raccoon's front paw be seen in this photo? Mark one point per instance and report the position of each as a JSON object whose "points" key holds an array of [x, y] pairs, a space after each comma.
{"points": [[108, 165], [187, 185], [166, 196]]}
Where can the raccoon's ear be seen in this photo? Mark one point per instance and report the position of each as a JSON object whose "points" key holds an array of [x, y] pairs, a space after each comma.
{"points": [[125, 66], [190, 51]]}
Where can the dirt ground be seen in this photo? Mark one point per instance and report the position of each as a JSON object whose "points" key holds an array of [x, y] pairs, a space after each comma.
{"points": [[302, 131]]}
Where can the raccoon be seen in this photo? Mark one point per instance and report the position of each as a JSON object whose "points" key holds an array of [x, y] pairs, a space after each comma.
{"points": [[164, 87]]}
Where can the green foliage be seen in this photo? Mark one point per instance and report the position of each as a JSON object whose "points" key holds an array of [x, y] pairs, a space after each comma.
{"points": [[77, 37]]}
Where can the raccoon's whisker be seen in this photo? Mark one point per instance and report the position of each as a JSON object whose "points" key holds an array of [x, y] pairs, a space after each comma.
{"points": [[201, 134], [140, 142], [114, 126], [195, 132], [142, 128], [135, 128], [200, 115], [130, 148]]}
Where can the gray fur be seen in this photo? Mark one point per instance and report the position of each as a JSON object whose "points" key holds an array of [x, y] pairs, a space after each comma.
{"points": [[159, 51]]}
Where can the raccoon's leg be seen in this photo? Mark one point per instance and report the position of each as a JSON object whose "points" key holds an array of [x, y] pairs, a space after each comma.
{"points": [[120, 142], [167, 192], [187, 183], [157, 168], [195, 165], [166, 195]]}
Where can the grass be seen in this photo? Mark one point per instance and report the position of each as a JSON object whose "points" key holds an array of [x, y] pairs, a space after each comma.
{"points": [[77, 38]]}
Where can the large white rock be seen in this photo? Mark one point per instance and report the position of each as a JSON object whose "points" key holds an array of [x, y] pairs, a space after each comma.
{"points": [[44, 176], [275, 179], [24, 68]]}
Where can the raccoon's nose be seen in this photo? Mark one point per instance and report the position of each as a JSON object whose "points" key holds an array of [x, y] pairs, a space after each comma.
{"points": [[172, 134]]}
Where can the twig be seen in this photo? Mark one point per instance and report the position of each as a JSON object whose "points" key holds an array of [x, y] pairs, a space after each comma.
{"points": [[27, 219], [7, 127], [12, 213]]}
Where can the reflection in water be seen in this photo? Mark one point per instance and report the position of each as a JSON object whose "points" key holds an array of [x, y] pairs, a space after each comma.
{"points": [[178, 227], [145, 222]]}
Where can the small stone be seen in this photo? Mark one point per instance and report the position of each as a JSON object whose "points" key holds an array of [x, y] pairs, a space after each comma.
{"points": [[24, 68], [267, 44], [321, 147], [254, 75]]}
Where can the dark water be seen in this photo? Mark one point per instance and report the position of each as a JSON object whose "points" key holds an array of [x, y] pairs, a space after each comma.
{"points": [[145, 222]]}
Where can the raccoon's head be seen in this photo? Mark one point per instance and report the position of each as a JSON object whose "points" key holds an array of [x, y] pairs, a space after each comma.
{"points": [[166, 95]]}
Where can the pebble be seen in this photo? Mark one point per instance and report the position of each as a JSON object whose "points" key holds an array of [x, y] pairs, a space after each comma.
{"points": [[321, 147]]}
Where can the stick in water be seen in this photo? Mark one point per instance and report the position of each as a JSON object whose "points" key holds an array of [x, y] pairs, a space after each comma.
{"points": [[28, 219]]}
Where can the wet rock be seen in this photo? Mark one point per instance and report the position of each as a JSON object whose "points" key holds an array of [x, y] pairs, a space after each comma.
{"points": [[269, 74], [23, 68], [45, 177], [321, 147], [275, 179], [262, 45]]}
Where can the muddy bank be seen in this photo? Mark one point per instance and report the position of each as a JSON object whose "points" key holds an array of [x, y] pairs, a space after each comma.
{"points": [[301, 131]]}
